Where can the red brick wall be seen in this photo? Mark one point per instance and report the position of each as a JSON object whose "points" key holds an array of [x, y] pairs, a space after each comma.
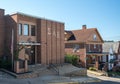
{"points": [[2, 27], [43, 41], [49, 33], [52, 41], [62, 43], [81, 52], [9, 25]]}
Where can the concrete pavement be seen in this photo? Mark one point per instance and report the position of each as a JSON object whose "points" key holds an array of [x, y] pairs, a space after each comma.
{"points": [[104, 78]]}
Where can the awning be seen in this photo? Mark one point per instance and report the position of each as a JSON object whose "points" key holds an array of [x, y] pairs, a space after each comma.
{"points": [[99, 54], [73, 42], [26, 43]]}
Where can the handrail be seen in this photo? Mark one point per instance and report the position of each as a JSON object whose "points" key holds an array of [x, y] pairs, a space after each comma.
{"points": [[54, 67]]}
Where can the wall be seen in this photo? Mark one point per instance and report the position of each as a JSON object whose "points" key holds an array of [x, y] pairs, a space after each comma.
{"points": [[2, 27], [81, 52], [51, 37], [9, 25], [49, 33]]}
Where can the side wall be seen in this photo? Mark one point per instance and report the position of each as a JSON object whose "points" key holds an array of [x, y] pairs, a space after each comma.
{"points": [[2, 27], [9, 25], [51, 37]]}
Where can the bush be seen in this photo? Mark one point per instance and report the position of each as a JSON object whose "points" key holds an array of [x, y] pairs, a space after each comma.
{"points": [[73, 59], [6, 64], [92, 69], [110, 73]]}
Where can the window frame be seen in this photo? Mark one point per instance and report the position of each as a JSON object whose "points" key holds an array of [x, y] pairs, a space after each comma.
{"points": [[95, 46], [20, 29], [33, 27], [26, 34], [94, 37]]}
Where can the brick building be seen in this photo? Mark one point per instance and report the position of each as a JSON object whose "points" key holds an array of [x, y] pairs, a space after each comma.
{"points": [[41, 40], [86, 44]]}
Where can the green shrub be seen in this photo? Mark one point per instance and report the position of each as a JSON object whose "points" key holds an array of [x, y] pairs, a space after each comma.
{"points": [[73, 59], [92, 69]]}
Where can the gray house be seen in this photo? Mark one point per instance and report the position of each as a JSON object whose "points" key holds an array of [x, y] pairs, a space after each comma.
{"points": [[112, 50]]}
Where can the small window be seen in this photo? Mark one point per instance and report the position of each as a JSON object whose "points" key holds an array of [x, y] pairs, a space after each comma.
{"points": [[21, 64], [26, 29], [94, 46], [20, 29], [89, 48], [32, 30], [94, 37]]}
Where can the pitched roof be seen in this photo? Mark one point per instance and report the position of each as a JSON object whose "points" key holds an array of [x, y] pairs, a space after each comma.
{"points": [[83, 34], [113, 45]]}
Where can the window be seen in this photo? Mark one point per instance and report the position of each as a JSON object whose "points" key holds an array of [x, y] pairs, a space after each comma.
{"points": [[89, 48], [20, 29], [32, 30], [21, 64], [26, 29], [76, 48], [94, 46], [94, 37]]}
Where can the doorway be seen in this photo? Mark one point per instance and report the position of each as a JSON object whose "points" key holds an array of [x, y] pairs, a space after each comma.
{"points": [[30, 51]]}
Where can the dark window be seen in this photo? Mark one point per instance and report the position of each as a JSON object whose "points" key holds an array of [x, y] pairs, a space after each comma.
{"points": [[20, 29], [26, 29], [21, 64], [32, 30]]}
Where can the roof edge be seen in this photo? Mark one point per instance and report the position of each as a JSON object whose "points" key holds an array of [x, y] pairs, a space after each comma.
{"points": [[37, 17]]}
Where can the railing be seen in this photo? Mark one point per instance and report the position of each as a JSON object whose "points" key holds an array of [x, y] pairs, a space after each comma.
{"points": [[54, 67]]}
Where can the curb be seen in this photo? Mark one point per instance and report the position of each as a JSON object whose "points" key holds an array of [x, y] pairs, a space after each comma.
{"points": [[64, 83], [96, 73], [77, 81]]}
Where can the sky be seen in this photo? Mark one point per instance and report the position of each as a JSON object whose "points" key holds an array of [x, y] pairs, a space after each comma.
{"points": [[101, 14]]}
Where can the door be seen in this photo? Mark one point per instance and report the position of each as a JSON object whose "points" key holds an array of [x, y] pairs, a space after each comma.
{"points": [[32, 55]]}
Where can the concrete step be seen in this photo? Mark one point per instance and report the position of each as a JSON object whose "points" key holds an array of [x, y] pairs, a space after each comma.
{"points": [[70, 70]]}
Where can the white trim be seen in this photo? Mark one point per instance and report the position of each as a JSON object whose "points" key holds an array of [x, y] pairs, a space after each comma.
{"points": [[29, 43]]}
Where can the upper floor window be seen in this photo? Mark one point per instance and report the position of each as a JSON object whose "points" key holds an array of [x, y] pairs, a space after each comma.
{"points": [[76, 48], [26, 29], [33, 30], [94, 37], [20, 28]]}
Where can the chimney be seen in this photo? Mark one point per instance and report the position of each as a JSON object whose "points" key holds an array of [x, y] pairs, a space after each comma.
{"points": [[84, 27], [1, 12]]}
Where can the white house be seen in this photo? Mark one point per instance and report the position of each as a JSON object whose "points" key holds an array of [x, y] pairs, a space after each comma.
{"points": [[113, 54]]}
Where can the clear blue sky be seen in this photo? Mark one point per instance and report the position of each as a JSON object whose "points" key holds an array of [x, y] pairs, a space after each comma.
{"points": [[101, 14]]}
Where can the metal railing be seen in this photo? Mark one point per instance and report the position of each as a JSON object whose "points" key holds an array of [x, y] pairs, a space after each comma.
{"points": [[54, 67]]}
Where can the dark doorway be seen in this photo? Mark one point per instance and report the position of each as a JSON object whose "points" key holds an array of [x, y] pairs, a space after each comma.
{"points": [[31, 54]]}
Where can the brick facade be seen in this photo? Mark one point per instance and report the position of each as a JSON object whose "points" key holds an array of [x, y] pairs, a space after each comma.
{"points": [[48, 40], [85, 43], [2, 26]]}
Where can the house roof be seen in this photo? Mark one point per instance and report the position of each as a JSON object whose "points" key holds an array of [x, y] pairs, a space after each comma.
{"points": [[82, 35], [113, 45]]}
